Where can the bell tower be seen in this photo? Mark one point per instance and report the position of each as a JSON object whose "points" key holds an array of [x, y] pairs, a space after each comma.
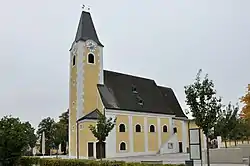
{"points": [[86, 71]]}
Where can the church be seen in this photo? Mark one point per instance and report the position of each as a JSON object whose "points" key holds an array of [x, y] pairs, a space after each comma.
{"points": [[149, 118]]}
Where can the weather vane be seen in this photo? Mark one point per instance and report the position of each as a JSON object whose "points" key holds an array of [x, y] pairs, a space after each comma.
{"points": [[85, 8]]}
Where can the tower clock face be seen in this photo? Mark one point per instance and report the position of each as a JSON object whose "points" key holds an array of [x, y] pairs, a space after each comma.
{"points": [[91, 45]]}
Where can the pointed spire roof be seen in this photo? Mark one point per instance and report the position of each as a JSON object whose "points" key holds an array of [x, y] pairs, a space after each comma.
{"points": [[86, 29]]}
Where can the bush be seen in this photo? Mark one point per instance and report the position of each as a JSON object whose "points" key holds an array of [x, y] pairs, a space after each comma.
{"points": [[28, 161]]}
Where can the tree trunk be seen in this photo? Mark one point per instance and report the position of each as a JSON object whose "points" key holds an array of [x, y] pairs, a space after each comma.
{"points": [[235, 143], [225, 143], [56, 152], [208, 158]]}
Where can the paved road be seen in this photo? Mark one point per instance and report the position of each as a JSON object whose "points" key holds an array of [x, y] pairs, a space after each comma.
{"points": [[167, 159]]}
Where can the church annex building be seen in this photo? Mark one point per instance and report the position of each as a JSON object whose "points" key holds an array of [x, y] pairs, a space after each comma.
{"points": [[150, 119]]}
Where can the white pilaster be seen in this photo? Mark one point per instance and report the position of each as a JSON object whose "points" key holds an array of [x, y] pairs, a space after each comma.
{"points": [[131, 137], [159, 131], [101, 65], [146, 134], [184, 136]]}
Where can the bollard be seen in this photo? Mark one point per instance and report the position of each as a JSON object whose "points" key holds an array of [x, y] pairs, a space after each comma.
{"points": [[189, 163]]}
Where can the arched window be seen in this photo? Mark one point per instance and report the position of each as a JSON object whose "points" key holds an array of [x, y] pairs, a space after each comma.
{"points": [[122, 146], [91, 58], [74, 61], [121, 128], [165, 129], [138, 128], [152, 129], [175, 129]]}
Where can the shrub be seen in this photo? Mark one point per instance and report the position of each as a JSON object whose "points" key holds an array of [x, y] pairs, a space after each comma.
{"points": [[28, 161]]}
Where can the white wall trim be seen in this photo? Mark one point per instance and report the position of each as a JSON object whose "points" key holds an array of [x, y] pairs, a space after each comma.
{"points": [[153, 115], [126, 129], [145, 134], [159, 131], [95, 59], [131, 136], [134, 128], [162, 128], [154, 128], [126, 147], [101, 64]]}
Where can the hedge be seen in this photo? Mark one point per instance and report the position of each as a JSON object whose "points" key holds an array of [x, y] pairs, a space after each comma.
{"points": [[29, 161]]}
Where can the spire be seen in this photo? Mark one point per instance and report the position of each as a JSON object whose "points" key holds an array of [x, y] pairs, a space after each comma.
{"points": [[86, 29]]}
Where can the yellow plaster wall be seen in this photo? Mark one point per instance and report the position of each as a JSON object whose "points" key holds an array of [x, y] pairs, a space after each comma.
{"points": [[165, 136], [85, 136], [138, 137], [178, 124], [72, 108], [100, 105], [152, 137], [122, 136], [91, 79]]}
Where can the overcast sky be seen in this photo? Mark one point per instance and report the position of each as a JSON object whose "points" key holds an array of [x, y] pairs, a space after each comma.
{"points": [[166, 40]]}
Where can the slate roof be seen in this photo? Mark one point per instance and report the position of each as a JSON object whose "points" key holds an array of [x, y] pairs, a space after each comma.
{"points": [[171, 101], [86, 29], [92, 115], [117, 93]]}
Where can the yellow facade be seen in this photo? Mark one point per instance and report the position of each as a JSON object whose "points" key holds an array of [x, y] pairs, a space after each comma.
{"points": [[122, 136], [139, 141], [90, 81], [165, 135], [85, 136], [178, 124], [152, 136]]}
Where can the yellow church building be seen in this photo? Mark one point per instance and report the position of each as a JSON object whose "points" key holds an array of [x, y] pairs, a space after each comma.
{"points": [[150, 119]]}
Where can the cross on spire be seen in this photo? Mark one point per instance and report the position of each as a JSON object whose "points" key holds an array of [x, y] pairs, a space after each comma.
{"points": [[85, 8]]}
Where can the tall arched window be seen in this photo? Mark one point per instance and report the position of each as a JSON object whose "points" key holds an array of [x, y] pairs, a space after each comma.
{"points": [[91, 58], [122, 146], [121, 128], [152, 128], [137, 128], [74, 60], [164, 128]]}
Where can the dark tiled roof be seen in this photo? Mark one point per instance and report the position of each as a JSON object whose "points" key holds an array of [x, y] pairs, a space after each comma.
{"points": [[117, 93], [86, 29], [92, 115], [172, 101]]}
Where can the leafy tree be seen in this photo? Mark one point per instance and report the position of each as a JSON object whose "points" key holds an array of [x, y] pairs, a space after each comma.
{"points": [[204, 105], [59, 133], [14, 140], [30, 131], [102, 129], [227, 122], [46, 126], [246, 101], [64, 119]]}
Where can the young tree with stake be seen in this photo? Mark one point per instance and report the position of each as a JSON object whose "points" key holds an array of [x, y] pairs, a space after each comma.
{"points": [[203, 104]]}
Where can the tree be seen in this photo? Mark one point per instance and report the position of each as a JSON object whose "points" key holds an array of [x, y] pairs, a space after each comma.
{"points": [[227, 122], [204, 105], [30, 131], [46, 126], [102, 129], [14, 140], [59, 133], [64, 119], [246, 101]]}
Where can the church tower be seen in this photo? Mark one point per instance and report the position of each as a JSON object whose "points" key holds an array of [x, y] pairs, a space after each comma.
{"points": [[86, 71]]}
